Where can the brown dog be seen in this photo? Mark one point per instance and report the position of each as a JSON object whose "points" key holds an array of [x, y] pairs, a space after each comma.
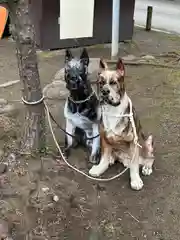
{"points": [[117, 135]]}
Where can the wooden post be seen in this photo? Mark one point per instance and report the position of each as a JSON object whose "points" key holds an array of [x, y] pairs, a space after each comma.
{"points": [[149, 18]]}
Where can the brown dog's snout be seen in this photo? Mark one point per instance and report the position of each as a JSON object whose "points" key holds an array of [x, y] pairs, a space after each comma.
{"points": [[105, 92]]}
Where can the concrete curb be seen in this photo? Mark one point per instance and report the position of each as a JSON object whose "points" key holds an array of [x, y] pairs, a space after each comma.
{"points": [[157, 30]]}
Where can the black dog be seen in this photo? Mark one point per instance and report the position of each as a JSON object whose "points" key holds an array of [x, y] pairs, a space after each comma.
{"points": [[81, 108]]}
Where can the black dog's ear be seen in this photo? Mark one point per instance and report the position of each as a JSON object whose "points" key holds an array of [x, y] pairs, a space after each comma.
{"points": [[84, 56], [68, 55]]}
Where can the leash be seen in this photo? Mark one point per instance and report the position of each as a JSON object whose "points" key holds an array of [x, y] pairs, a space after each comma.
{"points": [[130, 115], [53, 119], [50, 116], [63, 130], [71, 166]]}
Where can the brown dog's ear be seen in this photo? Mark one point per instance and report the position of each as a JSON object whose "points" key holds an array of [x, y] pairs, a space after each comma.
{"points": [[102, 64], [120, 67], [84, 56], [68, 55]]}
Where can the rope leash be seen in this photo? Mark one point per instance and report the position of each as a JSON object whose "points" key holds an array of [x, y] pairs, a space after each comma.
{"points": [[53, 119], [71, 166], [130, 115], [34, 102]]}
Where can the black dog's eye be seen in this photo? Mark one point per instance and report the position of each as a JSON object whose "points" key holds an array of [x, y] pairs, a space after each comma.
{"points": [[67, 76], [86, 70]]}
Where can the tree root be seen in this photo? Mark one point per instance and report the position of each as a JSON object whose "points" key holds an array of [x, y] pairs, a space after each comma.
{"points": [[8, 84], [172, 54], [140, 63]]}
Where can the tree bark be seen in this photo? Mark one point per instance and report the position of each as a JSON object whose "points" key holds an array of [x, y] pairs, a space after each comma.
{"points": [[33, 139]]}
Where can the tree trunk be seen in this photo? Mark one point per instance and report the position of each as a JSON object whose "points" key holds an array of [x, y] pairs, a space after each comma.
{"points": [[33, 139]]}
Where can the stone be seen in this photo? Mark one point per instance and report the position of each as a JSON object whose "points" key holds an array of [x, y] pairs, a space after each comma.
{"points": [[55, 198], [11, 159], [3, 168], [45, 189], [56, 89], [59, 75]]}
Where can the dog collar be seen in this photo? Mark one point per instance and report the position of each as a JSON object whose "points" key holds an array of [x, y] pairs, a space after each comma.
{"points": [[82, 101]]}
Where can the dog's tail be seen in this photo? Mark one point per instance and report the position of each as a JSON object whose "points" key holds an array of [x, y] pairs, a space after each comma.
{"points": [[139, 128]]}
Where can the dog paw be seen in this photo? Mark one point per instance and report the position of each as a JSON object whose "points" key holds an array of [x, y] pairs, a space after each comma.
{"points": [[67, 152], [137, 184], [89, 143], [94, 171], [146, 171], [111, 160], [94, 160], [125, 162], [98, 170]]}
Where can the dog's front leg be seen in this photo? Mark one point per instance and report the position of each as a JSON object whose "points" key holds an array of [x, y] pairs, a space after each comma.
{"points": [[70, 129], [106, 159], [99, 169], [136, 181], [95, 148]]}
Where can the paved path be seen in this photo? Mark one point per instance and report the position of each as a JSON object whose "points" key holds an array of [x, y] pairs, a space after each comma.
{"points": [[166, 14]]}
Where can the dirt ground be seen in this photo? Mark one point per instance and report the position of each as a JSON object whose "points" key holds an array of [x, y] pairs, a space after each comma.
{"points": [[86, 209]]}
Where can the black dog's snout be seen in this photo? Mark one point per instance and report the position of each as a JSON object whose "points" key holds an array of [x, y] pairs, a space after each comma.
{"points": [[74, 83], [74, 79]]}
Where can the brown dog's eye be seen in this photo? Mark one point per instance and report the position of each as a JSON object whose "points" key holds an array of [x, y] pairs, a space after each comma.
{"points": [[101, 80], [112, 82]]}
